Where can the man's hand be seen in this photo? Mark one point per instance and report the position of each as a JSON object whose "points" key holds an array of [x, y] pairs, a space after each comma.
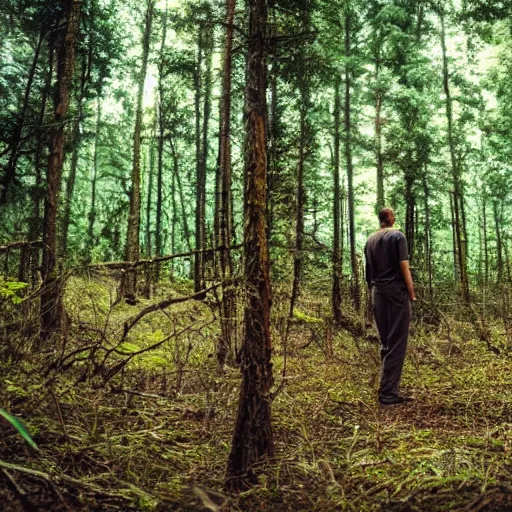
{"points": [[406, 272]]}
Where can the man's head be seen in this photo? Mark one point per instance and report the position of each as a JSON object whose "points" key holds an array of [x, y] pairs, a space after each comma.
{"points": [[386, 218]]}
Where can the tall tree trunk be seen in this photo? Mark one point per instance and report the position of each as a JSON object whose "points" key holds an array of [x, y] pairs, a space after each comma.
{"points": [[149, 205], [224, 347], [161, 135], [410, 203], [253, 438], [133, 237], [10, 169], [70, 184], [273, 124], [458, 195], [184, 215], [499, 244], [428, 232], [378, 137], [94, 180], [336, 253], [356, 297], [200, 171], [301, 196], [51, 298], [36, 223]]}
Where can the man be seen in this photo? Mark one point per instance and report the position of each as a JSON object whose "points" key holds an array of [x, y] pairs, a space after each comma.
{"points": [[389, 277]]}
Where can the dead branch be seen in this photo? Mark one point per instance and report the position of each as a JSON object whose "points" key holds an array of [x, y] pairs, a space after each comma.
{"points": [[134, 264]]}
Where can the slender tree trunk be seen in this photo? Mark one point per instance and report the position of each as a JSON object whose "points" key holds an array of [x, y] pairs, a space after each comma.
{"points": [[10, 169], [458, 196], [273, 124], [36, 224], [70, 184], [378, 137], [133, 237], [94, 180], [410, 203], [224, 347], [149, 206], [51, 298], [336, 253], [200, 171], [161, 135], [184, 215], [499, 244], [252, 438], [301, 197], [350, 169], [428, 233]]}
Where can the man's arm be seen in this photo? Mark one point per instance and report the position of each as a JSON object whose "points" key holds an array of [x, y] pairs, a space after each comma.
{"points": [[406, 272]]}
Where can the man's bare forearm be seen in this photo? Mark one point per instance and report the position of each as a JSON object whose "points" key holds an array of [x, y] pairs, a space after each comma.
{"points": [[406, 273]]}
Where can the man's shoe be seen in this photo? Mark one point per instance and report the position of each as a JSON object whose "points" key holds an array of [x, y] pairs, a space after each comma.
{"points": [[394, 399]]}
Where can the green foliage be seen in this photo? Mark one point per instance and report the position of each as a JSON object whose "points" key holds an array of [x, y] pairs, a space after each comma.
{"points": [[11, 290], [19, 426]]}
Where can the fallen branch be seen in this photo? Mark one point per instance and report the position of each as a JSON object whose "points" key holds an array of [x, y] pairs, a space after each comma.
{"points": [[19, 245], [162, 305], [134, 264]]}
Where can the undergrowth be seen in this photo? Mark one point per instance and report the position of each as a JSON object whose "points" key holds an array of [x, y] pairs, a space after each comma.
{"points": [[157, 435]]}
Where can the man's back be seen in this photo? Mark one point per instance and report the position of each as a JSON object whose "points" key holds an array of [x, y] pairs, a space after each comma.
{"points": [[384, 250]]}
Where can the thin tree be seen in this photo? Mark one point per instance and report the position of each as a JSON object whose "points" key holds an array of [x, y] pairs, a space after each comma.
{"points": [[348, 156], [51, 298], [133, 241], [336, 253], [225, 228], [252, 438]]}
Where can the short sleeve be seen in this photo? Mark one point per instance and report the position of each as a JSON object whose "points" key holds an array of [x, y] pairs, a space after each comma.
{"points": [[403, 251]]}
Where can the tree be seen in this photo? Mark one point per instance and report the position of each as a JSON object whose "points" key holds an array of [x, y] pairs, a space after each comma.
{"points": [[133, 241], [252, 438], [51, 297]]}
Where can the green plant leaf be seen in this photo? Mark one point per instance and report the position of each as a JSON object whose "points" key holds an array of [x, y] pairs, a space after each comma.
{"points": [[18, 425]]}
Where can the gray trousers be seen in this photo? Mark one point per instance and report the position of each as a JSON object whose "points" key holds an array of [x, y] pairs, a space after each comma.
{"points": [[392, 311]]}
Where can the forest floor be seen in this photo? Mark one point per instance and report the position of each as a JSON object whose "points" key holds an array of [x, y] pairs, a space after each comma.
{"points": [[157, 436]]}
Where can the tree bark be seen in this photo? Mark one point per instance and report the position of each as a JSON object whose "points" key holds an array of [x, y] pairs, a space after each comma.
{"points": [[200, 181], [133, 237], [253, 437], [458, 195], [301, 196], [70, 184], [184, 215], [10, 169], [224, 348], [336, 253], [94, 180], [51, 297], [356, 297], [161, 135]]}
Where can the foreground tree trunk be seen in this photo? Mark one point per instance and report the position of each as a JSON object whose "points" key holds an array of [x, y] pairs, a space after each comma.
{"points": [[51, 298], [253, 437], [133, 242]]}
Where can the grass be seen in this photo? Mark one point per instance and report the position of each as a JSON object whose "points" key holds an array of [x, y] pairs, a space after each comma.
{"points": [[159, 446]]}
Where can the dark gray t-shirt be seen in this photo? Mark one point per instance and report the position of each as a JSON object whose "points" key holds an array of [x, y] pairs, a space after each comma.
{"points": [[383, 252]]}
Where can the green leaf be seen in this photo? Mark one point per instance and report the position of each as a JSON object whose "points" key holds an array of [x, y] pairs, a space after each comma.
{"points": [[18, 425]]}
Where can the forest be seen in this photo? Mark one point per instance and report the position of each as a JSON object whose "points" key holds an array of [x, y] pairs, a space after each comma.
{"points": [[186, 192]]}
